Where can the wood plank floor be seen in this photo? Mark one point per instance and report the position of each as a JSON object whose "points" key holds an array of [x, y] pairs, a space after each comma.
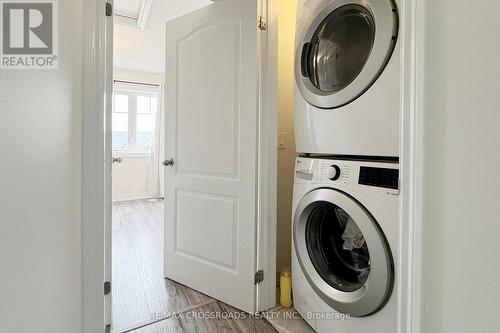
{"points": [[141, 293], [212, 318]]}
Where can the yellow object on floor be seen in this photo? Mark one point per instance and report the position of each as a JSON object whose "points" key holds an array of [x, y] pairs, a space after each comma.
{"points": [[286, 290]]}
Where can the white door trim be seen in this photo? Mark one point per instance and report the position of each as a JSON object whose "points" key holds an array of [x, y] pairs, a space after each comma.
{"points": [[412, 35], [108, 168], [93, 168], [268, 157]]}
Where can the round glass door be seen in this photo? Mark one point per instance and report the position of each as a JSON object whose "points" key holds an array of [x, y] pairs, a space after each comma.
{"points": [[343, 252], [344, 49], [337, 248], [340, 48]]}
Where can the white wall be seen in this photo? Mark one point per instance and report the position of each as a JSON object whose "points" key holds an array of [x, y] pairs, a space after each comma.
{"points": [[286, 157], [143, 50], [40, 225], [462, 164], [131, 177]]}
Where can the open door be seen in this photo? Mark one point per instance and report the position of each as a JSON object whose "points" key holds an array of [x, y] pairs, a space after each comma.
{"points": [[211, 146]]}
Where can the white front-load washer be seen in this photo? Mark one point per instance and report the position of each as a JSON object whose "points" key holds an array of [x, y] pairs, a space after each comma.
{"points": [[347, 77], [345, 242]]}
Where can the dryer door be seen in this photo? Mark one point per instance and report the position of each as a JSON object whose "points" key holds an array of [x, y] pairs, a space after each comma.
{"points": [[343, 252], [345, 49]]}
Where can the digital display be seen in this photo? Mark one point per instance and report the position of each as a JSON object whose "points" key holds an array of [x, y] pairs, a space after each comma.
{"points": [[379, 177]]}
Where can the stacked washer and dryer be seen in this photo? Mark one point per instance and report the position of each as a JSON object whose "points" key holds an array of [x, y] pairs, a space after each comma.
{"points": [[345, 205]]}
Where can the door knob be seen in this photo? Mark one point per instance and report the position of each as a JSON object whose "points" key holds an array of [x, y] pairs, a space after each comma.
{"points": [[117, 159], [169, 162]]}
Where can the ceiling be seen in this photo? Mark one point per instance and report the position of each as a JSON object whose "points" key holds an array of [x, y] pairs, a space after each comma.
{"points": [[143, 50], [130, 8]]}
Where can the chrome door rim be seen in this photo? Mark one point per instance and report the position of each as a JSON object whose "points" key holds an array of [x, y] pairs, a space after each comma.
{"points": [[384, 14], [376, 291]]}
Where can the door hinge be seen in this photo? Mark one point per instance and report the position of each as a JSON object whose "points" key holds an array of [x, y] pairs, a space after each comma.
{"points": [[261, 23], [109, 9], [259, 277], [107, 288]]}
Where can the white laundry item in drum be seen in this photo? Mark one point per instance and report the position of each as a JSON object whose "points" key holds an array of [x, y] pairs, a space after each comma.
{"points": [[352, 236]]}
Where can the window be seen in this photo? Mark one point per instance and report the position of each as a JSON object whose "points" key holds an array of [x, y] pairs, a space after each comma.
{"points": [[134, 120], [120, 122], [146, 122]]}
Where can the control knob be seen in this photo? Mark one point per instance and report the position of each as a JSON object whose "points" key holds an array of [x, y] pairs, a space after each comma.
{"points": [[333, 172]]}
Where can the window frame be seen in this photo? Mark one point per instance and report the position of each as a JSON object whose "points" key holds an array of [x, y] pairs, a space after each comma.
{"points": [[133, 93]]}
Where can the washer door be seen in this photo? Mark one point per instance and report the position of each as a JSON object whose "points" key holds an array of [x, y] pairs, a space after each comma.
{"points": [[343, 252], [345, 50]]}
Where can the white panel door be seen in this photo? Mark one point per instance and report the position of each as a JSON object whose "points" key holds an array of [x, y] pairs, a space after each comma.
{"points": [[212, 131]]}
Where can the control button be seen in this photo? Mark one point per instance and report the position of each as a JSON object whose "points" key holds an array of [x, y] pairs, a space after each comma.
{"points": [[333, 172]]}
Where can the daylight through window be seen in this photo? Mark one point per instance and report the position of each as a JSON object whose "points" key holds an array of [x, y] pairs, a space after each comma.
{"points": [[134, 121]]}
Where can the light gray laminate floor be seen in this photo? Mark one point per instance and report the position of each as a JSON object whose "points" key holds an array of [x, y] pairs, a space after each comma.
{"points": [[141, 294]]}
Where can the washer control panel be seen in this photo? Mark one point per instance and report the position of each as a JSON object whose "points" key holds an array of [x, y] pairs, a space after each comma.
{"points": [[378, 176], [315, 170]]}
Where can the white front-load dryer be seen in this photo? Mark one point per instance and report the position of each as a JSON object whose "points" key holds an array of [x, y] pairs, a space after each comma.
{"points": [[345, 245], [347, 77]]}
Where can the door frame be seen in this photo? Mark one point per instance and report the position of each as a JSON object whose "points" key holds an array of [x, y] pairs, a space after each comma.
{"points": [[94, 165], [409, 277]]}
